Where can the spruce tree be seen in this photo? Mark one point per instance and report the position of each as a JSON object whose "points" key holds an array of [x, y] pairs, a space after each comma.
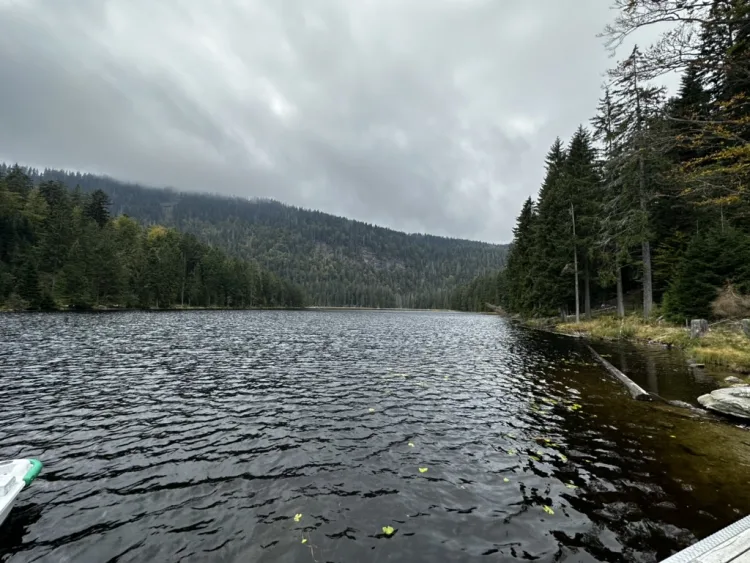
{"points": [[18, 181], [552, 238], [712, 260], [97, 207], [518, 274], [638, 103], [612, 241], [581, 186]]}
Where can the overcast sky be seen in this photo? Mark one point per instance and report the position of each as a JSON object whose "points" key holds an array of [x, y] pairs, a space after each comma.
{"points": [[421, 115]]}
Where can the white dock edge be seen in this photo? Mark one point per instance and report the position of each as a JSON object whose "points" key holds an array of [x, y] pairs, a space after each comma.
{"points": [[636, 391], [729, 545]]}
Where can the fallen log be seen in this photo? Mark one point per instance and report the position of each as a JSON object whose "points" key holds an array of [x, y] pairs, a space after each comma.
{"points": [[635, 390]]}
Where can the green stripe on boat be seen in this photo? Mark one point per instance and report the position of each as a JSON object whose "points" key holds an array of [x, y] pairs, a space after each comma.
{"points": [[36, 467]]}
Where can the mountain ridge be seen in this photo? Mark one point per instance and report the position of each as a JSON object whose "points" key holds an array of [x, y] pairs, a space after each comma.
{"points": [[337, 260]]}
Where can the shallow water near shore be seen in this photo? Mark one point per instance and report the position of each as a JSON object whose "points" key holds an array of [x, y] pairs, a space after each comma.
{"points": [[198, 436], [666, 372]]}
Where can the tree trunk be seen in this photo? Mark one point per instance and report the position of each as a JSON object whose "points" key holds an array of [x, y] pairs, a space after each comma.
{"points": [[575, 265], [620, 297], [648, 294], [648, 290], [587, 291]]}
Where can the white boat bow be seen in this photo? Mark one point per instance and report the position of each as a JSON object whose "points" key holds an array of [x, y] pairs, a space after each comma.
{"points": [[15, 474]]}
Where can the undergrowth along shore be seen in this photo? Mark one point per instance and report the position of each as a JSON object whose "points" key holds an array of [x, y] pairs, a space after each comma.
{"points": [[725, 344]]}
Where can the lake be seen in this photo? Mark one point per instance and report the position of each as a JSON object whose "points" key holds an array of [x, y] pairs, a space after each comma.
{"points": [[202, 436]]}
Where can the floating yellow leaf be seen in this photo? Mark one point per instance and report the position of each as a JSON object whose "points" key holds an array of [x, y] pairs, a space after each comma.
{"points": [[673, 436], [562, 457], [388, 530], [304, 540], [372, 410], [411, 444], [539, 453], [534, 457], [506, 480], [297, 517], [423, 470], [511, 452], [547, 440], [548, 510], [571, 486]]}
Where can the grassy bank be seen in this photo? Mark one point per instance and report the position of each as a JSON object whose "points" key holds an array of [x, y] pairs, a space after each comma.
{"points": [[725, 345]]}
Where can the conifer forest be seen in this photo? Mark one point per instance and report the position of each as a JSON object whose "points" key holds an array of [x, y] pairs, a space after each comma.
{"points": [[646, 207]]}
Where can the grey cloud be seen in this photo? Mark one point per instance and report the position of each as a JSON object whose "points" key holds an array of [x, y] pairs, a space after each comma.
{"points": [[429, 116]]}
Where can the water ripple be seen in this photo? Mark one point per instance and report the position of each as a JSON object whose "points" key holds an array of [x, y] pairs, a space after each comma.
{"points": [[198, 436]]}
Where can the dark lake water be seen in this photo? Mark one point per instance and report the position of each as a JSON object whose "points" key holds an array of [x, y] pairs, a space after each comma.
{"points": [[198, 436]]}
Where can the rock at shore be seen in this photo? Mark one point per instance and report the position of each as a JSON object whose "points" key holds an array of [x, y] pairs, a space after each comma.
{"points": [[698, 328], [734, 401]]}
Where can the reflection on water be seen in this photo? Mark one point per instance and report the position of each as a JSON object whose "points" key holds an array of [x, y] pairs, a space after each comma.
{"points": [[666, 372], [198, 436]]}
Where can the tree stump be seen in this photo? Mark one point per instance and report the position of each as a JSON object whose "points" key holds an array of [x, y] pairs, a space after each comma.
{"points": [[746, 327], [698, 328]]}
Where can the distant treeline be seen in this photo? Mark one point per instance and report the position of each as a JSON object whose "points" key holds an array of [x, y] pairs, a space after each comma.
{"points": [[481, 291], [61, 248], [337, 261], [654, 198]]}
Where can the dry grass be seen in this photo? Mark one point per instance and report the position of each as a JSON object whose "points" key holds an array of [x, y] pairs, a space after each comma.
{"points": [[725, 347], [730, 304], [629, 328], [722, 346]]}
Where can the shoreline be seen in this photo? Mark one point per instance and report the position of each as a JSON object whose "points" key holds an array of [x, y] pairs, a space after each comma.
{"points": [[190, 308], [354, 308], [721, 347], [147, 310]]}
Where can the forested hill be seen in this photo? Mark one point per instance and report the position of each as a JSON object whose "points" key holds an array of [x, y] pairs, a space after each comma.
{"points": [[337, 261], [63, 249], [653, 200]]}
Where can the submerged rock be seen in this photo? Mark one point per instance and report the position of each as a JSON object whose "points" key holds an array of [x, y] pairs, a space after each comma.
{"points": [[732, 379], [681, 404], [734, 401]]}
